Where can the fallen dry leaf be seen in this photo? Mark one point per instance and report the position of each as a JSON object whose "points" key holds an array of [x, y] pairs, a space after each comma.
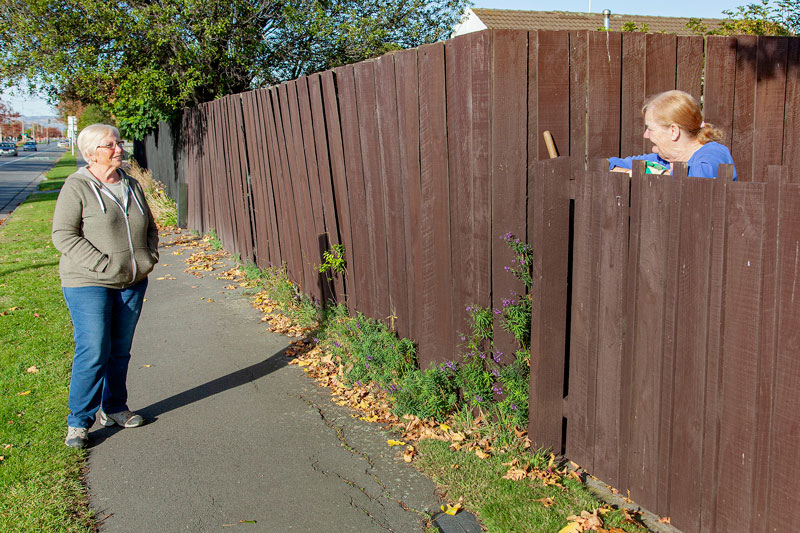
{"points": [[547, 502], [392, 442], [408, 455], [664, 520], [572, 527], [24, 393], [451, 509], [32, 370]]}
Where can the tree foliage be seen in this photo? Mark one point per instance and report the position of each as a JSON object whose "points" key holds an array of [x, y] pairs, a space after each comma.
{"points": [[143, 60], [769, 17]]}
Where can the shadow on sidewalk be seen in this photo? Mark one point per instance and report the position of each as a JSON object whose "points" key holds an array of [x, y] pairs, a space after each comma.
{"points": [[231, 381], [221, 384]]}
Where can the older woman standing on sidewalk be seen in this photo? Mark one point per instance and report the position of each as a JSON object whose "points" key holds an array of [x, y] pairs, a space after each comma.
{"points": [[108, 241]]}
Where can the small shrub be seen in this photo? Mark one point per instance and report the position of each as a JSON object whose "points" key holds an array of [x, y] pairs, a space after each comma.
{"points": [[164, 209]]}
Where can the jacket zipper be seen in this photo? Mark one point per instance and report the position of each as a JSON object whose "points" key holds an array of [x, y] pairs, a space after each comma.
{"points": [[127, 227]]}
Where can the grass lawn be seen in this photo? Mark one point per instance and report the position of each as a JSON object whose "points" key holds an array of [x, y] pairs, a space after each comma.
{"points": [[40, 478], [55, 178]]}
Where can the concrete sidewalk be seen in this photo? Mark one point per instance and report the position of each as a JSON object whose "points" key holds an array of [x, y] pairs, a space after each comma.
{"points": [[237, 439]]}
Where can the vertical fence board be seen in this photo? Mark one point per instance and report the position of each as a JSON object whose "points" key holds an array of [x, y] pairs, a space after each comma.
{"points": [[552, 92], [333, 130], [362, 294], [791, 127], [785, 427], [301, 181], [459, 135], [744, 105], [689, 75], [436, 340], [509, 165], [257, 165], [662, 51], [325, 178], [668, 354], [613, 206], [634, 65], [579, 431], [322, 289], [548, 222], [605, 83], [480, 54], [408, 130], [578, 87], [769, 105], [393, 192], [278, 250], [740, 348], [718, 93], [373, 186], [767, 348], [290, 234], [716, 327], [690, 345], [655, 195]]}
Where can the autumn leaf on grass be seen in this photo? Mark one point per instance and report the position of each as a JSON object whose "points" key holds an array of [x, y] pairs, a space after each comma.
{"points": [[408, 455], [451, 509], [587, 521], [32, 370], [481, 454], [23, 393], [572, 527], [547, 502], [515, 473]]}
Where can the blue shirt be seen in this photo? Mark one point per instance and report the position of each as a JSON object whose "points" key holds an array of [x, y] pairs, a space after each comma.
{"points": [[704, 163]]}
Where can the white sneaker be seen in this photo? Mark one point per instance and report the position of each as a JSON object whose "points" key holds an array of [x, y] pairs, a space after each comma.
{"points": [[126, 419], [77, 437]]}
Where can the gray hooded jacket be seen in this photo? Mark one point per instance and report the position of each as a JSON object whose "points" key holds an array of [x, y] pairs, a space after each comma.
{"points": [[103, 241]]}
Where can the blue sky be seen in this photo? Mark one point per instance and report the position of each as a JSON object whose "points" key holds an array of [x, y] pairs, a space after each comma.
{"points": [[31, 105], [670, 8]]}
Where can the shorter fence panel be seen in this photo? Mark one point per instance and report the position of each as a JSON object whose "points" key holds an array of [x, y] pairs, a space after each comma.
{"points": [[739, 377], [686, 415], [785, 431], [548, 230]]}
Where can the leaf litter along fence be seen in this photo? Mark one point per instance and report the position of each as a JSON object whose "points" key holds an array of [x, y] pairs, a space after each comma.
{"points": [[664, 323]]}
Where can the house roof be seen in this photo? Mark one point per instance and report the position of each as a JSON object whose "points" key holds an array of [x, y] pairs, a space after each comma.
{"points": [[564, 20]]}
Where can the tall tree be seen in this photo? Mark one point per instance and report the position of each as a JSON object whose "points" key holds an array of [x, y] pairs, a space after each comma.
{"points": [[145, 59]]}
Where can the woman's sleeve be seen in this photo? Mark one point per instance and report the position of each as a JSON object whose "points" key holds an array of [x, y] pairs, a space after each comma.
{"points": [[66, 234], [627, 162]]}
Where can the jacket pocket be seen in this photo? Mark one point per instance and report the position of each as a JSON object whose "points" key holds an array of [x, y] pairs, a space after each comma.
{"points": [[119, 268], [145, 261]]}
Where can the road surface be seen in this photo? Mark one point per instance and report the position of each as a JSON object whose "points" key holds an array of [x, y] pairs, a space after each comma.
{"points": [[19, 175]]}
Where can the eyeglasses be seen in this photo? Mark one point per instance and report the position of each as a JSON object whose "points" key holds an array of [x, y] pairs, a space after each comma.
{"points": [[112, 146]]}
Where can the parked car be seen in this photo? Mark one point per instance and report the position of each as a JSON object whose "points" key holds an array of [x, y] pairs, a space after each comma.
{"points": [[29, 146], [8, 149], [63, 143]]}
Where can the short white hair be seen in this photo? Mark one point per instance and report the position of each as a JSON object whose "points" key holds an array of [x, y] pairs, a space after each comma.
{"points": [[90, 136]]}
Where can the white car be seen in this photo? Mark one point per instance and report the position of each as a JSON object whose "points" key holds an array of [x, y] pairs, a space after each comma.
{"points": [[63, 143]]}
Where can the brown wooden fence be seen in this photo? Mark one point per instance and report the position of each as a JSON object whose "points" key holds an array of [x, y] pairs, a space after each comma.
{"points": [[664, 314]]}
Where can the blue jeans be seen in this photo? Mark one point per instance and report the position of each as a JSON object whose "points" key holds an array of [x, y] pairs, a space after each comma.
{"points": [[103, 321]]}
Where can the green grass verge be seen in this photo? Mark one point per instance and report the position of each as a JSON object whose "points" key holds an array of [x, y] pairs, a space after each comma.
{"points": [[504, 505], [40, 478], [54, 179]]}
